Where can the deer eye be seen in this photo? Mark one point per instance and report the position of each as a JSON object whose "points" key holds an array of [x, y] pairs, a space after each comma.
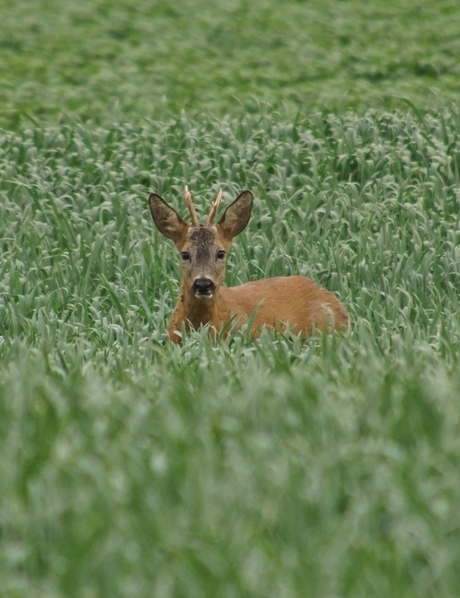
{"points": [[220, 255], [185, 255]]}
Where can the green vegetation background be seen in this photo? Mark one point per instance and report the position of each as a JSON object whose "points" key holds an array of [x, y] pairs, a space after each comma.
{"points": [[270, 468], [129, 59]]}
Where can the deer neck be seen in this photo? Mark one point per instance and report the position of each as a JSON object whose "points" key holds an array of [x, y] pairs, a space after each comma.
{"points": [[197, 312]]}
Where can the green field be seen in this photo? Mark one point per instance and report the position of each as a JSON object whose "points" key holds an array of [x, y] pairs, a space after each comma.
{"points": [[276, 468], [124, 60]]}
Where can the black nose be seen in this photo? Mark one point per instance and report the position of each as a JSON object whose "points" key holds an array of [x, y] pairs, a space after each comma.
{"points": [[203, 286]]}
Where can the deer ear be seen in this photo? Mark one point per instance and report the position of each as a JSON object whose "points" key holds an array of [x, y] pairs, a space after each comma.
{"points": [[236, 216], [167, 220]]}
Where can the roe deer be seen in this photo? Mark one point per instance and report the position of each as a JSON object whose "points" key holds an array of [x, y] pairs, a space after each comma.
{"points": [[294, 302]]}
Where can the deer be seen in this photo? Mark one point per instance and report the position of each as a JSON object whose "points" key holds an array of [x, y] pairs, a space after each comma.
{"points": [[294, 303]]}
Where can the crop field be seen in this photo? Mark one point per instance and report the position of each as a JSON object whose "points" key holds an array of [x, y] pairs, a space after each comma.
{"points": [[107, 60], [280, 467]]}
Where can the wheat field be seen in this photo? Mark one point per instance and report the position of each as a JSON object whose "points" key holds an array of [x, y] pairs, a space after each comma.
{"points": [[281, 467]]}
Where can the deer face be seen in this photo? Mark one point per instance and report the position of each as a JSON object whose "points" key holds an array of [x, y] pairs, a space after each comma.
{"points": [[202, 248], [203, 260]]}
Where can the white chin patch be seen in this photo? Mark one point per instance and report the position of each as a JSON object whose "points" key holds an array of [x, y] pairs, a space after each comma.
{"points": [[201, 296]]}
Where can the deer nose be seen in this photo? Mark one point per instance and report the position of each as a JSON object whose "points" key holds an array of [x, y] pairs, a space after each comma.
{"points": [[203, 286]]}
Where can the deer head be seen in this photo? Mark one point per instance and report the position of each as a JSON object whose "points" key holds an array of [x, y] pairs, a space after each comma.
{"points": [[202, 248]]}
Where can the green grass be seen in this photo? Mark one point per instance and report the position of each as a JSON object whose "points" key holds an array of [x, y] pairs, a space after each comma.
{"points": [[130, 467], [338, 475], [276, 468], [124, 60]]}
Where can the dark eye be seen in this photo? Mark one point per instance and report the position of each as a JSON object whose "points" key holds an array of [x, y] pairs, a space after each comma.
{"points": [[220, 255], [185, 255]]}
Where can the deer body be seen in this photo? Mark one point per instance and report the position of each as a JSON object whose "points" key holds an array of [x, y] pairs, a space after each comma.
{"points": [[294, 302], [283, 302]]}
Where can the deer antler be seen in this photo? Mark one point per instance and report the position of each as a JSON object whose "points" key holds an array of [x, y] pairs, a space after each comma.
{"points": [[214, 208], [191, 207]]}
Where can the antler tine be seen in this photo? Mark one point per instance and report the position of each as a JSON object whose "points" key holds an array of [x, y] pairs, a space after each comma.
{"points": [[214, 208], [191, 207]]}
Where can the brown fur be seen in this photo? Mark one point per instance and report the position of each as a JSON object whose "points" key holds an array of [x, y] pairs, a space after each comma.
{"points": [[294, 302]]}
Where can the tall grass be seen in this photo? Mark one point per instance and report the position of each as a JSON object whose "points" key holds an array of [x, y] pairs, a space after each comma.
{"points": [[277, 467], [124, 60], [367, 206]]}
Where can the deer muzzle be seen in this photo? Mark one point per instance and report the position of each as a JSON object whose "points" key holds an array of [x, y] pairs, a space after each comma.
{"points": [[203, 288]]}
